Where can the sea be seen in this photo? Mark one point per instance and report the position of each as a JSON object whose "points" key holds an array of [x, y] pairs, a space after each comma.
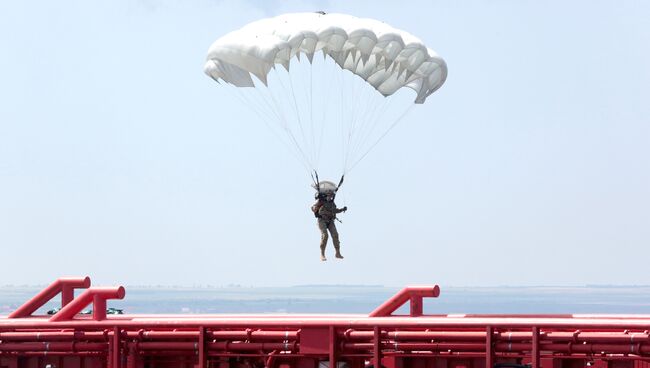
{"points": [[359, 299]]}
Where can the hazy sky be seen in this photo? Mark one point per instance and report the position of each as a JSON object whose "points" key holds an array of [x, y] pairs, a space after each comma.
{"points": [[121, 160]]}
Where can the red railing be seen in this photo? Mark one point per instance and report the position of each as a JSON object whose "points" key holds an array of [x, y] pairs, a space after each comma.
{"points": [[343, 341]]}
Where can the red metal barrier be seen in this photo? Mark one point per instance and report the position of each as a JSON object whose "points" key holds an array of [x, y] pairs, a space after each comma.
{"points": [[64, 285], [414, 294], [315, 341], [95, 295]]}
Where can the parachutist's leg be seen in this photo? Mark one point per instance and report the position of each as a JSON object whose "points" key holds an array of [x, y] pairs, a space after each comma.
{"points": [[322, 226], [335, 239]]}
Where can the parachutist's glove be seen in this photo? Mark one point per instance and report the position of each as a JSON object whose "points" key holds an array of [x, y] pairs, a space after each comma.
{"points": [[344, 208]]}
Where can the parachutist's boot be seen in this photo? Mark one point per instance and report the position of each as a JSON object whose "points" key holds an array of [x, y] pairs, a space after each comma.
{"points": [[338, 254], [322, 256]]}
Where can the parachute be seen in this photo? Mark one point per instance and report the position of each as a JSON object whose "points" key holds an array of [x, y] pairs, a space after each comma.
{"points": [[343, 103]]}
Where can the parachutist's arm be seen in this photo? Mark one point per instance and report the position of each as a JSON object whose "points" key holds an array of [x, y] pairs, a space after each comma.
{"points": [[339, 210], [316, 207]]}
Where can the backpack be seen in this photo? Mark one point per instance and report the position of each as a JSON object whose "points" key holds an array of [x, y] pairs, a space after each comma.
{"points": [[315, 207]]}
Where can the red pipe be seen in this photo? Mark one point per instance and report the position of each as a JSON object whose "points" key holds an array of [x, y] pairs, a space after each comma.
{"points": [[63, 285], [268, 346], [578, 348], [217, 335], [506, 347], [416, 335], [96, 295], [442, 336], [254, 335], [177, 345], [59, 353], [52, 336], [416, 346], [161, 335], [620, 337], [395, 336], [53, 346], [334, 321], [227, 346], [412, 293]]}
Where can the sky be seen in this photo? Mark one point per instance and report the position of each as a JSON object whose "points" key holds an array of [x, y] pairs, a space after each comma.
{"points": [[121, 160]]}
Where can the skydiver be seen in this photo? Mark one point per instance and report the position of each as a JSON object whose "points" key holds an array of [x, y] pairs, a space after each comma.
{"points": [[325, 211]]}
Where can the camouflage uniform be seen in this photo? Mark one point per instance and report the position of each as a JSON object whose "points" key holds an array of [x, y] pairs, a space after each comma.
{"points": [[326, 213]]}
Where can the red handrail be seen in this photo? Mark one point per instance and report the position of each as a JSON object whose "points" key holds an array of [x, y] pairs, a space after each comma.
{"points": [[414, 294], [63, 285], [95, 295]]}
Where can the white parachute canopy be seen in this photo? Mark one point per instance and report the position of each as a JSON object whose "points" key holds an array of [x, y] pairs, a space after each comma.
{"points": [[360, 58]]}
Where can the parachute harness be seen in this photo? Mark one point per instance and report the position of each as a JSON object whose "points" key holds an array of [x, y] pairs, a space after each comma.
{"points": [[319, 188]]}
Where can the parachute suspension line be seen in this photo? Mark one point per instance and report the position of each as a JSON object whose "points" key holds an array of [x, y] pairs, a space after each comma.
{"points": [[287, 129], [268, 122], [352, 118], [259, 110], [352, 121], [295, 106], [308, 108], [301, 87], [324, 96], [368, 102], [382, 136], [297, 112], [329, 74], [282, 122], [365, 119], [285, 121], [311, 113], [272, 109], [361, 120], [275, 109], [341, 119], [303, 90], [363, 139], [374, 122], [278, 106]]}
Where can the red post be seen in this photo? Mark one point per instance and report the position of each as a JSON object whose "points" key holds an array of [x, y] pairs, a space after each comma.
{"points": [[132, 358], [535, 352], [376, 347], [99, 308], [416, 306], [202, 347], [489, 350], [116, 348], [332, 352]]}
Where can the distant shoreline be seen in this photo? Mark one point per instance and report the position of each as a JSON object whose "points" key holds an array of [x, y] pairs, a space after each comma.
{"points": [[631, 299]]}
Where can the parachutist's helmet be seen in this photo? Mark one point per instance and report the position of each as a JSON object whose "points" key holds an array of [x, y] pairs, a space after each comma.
{"points": [[325, 188]]}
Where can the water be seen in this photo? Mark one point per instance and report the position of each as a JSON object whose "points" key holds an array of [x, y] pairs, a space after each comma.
{"points": [[362, 299]]}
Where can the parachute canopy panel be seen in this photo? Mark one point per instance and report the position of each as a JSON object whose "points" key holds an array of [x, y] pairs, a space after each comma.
{"points": [[385, 57]]}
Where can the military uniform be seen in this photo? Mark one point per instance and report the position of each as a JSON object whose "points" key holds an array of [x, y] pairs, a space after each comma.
{"points": [[326, 212]]}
